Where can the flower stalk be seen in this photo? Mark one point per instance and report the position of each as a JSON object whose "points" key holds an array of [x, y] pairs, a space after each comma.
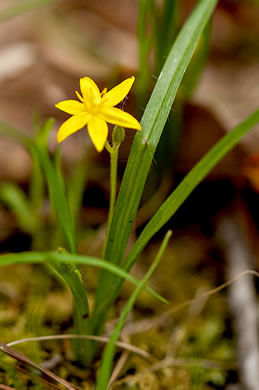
{"points": [[114, 152]]}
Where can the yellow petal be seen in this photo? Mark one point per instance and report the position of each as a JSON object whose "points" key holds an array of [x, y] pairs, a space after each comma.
{"points": [[118, 93], [118, 117], [90, 91], [71, 107], [98, 131], [72, 125]]}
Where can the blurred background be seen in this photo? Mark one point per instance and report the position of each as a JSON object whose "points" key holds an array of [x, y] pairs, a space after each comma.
{"points": [[45, 47]]}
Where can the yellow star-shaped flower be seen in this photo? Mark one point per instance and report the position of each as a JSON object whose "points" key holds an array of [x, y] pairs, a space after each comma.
{"points": [[95, 109]]}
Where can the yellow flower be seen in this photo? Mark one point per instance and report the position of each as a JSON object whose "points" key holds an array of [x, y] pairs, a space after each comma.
{"points": [[94, 110]]}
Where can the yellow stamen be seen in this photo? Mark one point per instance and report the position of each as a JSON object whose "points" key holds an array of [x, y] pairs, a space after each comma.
{"points": [[104, 92], [97, 109], [79, 96]]}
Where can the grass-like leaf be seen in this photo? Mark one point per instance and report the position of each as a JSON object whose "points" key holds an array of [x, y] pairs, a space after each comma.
{"points": [[58, 197], [69, 272], [107, 359], [146, 11], [55, 258], [145, 144], [10, 131], [153, 121], [166, 27], [189, 183], [17, 202]]}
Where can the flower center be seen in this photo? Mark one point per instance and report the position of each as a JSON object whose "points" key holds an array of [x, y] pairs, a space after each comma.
{"points": [[93, 108]]}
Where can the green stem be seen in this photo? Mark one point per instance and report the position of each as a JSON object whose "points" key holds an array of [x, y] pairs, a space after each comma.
{"points": [[114, 151]]}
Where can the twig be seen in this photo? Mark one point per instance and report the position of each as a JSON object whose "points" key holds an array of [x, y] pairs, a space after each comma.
{"points": [[179, 332], [145, 325], [180, 362], [118, 367], [120, 344], [28, 362]]}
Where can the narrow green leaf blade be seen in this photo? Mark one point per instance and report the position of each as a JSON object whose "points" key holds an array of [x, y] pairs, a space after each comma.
{"points": [[176, 199], [145, 144], [11, 131], [153, 121], [106, 364], [189, 183], [58, 197], [54, 258], [146, 36], [16, 200]]}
